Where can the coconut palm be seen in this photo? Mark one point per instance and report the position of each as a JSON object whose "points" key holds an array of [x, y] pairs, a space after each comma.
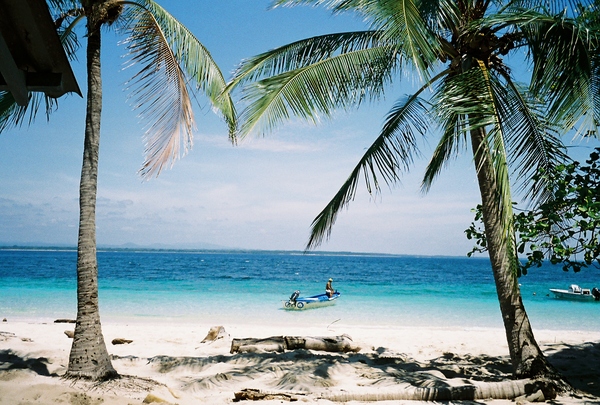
{"points": [[468, 95], [172, 62]]}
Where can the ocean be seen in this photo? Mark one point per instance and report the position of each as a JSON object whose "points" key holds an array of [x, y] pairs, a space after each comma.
{"points": [[221, 287]]}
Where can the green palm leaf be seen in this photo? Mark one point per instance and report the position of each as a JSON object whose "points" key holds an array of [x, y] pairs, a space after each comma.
{"points": [[532, 142], [458, 108], [454, 134], [391, 153], [564, 55], [315, 91], [465, 103], [401, 21], [304, 53]]}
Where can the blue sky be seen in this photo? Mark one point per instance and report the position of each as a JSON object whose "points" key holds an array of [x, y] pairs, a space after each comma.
{"points": [[262, 194]]}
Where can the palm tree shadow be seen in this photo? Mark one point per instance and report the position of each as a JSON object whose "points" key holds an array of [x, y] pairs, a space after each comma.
{"points": [[302, 371], [580, 364], [9, 360]]}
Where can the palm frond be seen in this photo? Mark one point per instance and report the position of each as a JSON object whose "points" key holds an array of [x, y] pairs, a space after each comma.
{"points": [[316, 90], [65, 21], [563, 51], [465, 103], [532, 142], [495, 146], [303, 53], [552, 6], [404, 22], [197, 62], [390, 154], [13, 115], [169, 57], [453, 135], [462, 104]]}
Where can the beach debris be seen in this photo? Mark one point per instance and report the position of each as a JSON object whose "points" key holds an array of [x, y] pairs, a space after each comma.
{"points": [[337, 344], [252, 394], [4, 320], [215, 333], [343, 343], [464, 390], [83, 398], [337, 320], [537, 396], [121, 341], [253, 345], [64, 321], [70, 334], [153, 399], [6, 335]]}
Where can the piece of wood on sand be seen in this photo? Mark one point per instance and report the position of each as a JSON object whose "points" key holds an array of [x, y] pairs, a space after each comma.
{"points": [[253, 345], [336, 344], [215, 333], [251, 394]]}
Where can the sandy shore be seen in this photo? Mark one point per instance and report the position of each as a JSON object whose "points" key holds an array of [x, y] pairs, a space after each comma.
{"points": [[167, 362]]}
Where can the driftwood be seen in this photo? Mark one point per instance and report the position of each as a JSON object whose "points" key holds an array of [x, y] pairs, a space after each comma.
{"points": [[337, 344], [520, 390], [215, 333], [252, 345], [343, 343], [64, 321], [526, 389], [257, 395], [121, 341]]}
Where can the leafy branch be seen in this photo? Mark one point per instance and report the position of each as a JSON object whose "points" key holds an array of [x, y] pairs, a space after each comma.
{"points": [[563, 230]]}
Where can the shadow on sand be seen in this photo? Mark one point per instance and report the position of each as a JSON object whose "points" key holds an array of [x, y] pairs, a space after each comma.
{"points": [[580, 364], [12, 361]]}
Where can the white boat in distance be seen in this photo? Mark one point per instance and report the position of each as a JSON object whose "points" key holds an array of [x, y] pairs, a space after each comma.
{"points": [[577, 293]]}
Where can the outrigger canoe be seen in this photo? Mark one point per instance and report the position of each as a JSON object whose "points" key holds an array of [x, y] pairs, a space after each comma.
{"points": [[321, 300]]}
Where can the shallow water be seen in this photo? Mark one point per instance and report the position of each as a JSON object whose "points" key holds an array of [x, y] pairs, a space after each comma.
{"points": [[221, 287]]}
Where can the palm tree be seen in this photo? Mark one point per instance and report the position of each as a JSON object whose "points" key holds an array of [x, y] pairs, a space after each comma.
{"points": [[457, 48], [172, 62]]}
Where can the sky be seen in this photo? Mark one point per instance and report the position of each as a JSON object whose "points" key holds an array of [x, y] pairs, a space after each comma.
{"points": [[261, 194]]}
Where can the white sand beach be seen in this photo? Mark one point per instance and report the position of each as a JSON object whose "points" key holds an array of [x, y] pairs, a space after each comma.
{"points": [[167, 363]]}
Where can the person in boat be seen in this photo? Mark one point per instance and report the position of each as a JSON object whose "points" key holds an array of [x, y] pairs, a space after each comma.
{"points": [[329, 288]]}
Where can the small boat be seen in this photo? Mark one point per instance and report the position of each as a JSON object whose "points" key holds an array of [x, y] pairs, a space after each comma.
{"points": [[577, 293], [321, 300]]}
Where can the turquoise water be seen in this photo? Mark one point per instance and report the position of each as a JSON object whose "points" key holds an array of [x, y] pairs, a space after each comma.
{"points": [[224, 287]]}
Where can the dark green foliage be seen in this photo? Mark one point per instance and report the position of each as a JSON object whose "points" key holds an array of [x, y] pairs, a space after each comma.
{"points": [[563, 230]]}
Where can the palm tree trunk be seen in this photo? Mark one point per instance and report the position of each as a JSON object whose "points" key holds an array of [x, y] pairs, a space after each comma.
{"points": [[527, 359], [89, 357]]}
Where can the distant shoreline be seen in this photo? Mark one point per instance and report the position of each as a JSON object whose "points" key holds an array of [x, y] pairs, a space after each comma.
{"points": [[142, 249]]}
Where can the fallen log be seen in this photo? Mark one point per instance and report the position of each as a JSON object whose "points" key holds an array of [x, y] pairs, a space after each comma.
{"points": [[337, 344], [250, 394], [520, 390], [471, 391], [252, 345]]}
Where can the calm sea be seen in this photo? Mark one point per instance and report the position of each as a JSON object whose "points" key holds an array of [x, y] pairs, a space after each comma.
{"points": [[224, 287]]}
